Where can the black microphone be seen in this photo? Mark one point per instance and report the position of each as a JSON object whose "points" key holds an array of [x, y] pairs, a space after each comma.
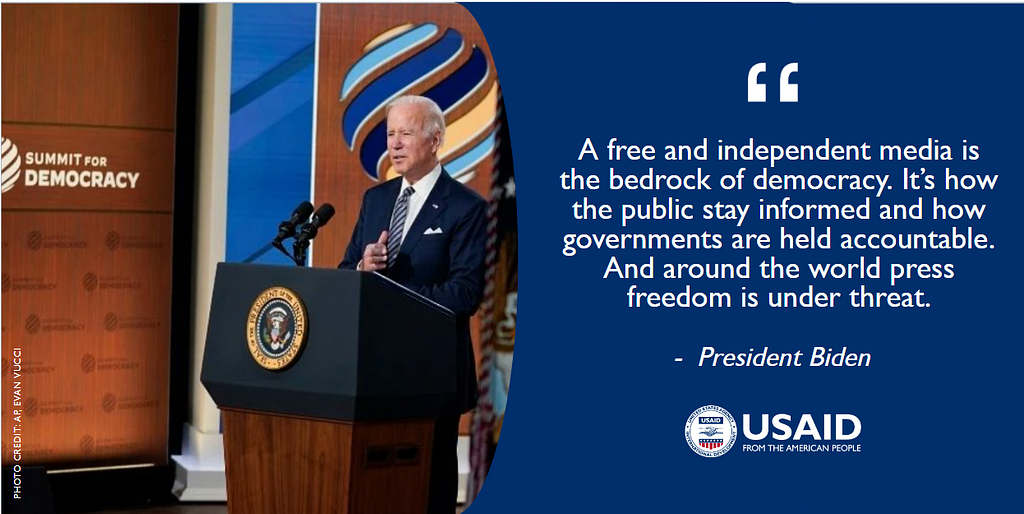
{"points": [[287, 228], [309, 230]]}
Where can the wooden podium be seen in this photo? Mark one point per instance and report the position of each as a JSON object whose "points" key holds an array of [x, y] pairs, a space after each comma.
{"points": [[332, 412]]}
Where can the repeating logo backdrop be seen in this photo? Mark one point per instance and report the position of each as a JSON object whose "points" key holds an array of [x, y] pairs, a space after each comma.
{"points": [[87, 154]]}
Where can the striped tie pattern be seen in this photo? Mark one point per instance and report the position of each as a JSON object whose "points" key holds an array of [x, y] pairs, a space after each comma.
{"points": [[398, 225]]}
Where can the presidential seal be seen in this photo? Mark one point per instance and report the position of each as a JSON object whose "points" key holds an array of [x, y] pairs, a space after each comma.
{"points": [[710, 431], [276, 328]]}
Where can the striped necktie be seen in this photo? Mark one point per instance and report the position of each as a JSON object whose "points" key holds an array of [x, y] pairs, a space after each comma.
{"points": [[395, 233]]}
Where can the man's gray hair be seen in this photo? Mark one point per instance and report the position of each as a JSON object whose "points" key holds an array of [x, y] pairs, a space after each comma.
{"points": [[433, 118]]}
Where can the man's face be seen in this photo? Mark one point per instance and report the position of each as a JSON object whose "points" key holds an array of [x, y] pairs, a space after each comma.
{"points": [[412, 152]]}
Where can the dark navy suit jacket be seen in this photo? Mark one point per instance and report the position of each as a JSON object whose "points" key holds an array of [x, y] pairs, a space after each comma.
{"points": [[446, 265]]}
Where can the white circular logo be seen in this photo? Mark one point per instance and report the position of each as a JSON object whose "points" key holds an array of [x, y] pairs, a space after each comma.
{"points": [[710, 431], [11, 164]]}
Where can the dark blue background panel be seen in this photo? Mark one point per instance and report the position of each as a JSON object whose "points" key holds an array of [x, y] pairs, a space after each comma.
{"points": [[596, 412]]}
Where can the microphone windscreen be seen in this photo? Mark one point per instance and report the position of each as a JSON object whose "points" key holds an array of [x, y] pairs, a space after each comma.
{"points": [[303, 211], [324, 213]]}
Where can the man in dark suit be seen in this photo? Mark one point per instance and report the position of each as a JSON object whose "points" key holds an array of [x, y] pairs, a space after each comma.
{"points": [[427, 231]]}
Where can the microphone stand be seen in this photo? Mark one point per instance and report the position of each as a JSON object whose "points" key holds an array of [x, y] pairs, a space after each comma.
{"points": [[300, 254], [275, 244], [259, 253], [289, 229], [300, 247], [295, 258]]}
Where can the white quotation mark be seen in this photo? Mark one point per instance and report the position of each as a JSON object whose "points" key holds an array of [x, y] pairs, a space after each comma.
{"points": [[756, 91]]}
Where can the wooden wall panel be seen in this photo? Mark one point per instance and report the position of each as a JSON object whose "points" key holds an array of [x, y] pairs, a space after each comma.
{"points": [[87, 270], [102, 65], [85, 297]]}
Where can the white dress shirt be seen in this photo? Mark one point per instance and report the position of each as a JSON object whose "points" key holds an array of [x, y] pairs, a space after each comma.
{"points": [[423, 187]]}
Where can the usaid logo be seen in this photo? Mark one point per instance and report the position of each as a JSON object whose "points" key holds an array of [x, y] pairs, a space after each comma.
{"points": [[11, 164], [711, 431], [807, 427], [825, 433]]}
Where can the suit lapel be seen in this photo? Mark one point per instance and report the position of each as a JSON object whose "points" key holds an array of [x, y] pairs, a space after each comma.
{"points": [[384, 215], [432, 208]]}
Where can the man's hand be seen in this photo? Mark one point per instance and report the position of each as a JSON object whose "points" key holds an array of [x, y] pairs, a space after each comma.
{"points": [[375, 256]]}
